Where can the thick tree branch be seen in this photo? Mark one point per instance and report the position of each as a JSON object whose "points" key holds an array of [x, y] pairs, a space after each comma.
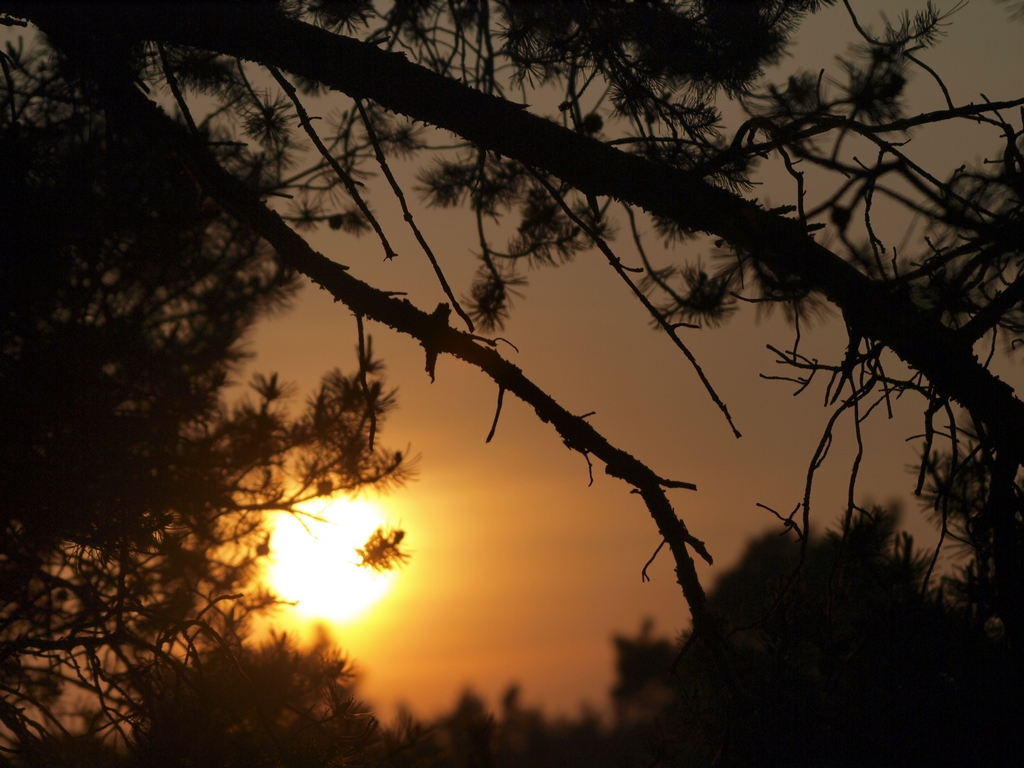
{"points": [[363, 71], [438, 337], [125, 103], [875, 310]]}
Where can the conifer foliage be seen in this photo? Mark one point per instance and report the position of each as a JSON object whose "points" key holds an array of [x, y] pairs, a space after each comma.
{"points": [[134, 498], [138, 162]]}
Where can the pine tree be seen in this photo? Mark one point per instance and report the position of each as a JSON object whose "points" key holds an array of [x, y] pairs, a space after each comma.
{"points": [[637, 126], [134, 498]]}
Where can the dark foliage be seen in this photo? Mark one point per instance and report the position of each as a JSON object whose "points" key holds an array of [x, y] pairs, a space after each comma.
{"points": [[132, 498], [858, 663], [854, 664]]}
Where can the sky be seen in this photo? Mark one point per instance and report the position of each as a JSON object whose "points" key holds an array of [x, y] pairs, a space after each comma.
{"points": [[521, 570]]}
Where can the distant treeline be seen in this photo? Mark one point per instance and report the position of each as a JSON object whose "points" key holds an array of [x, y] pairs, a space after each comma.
{"points": [[853, 663]]}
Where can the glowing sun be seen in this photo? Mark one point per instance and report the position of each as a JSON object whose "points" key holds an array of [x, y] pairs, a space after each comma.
{"points": [[315, 564]]}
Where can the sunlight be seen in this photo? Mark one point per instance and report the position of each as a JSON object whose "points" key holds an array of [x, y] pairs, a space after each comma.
{"points": [[317, 567]]}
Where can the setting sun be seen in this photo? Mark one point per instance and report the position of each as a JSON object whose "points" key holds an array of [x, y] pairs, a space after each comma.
{"points": [[314, 563]]}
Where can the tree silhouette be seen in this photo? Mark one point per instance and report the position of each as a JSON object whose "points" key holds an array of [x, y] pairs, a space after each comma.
{"points": [[637, 126], [134, 498], [861, 663], [857, 666]]}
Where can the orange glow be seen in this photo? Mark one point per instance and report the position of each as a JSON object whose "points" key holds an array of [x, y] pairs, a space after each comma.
{"points": [[314, 563]]}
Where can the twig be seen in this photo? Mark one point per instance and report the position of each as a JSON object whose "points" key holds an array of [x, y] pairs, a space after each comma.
{"points": [[10, 86], [383, 163], [643, 573], [497, 413], [361, 298], [172, 82], [364, 363], [346, 179], [616, 264]]}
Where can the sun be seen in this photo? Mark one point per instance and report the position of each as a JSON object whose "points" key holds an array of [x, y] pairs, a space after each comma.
{"points": [[313, 563]]}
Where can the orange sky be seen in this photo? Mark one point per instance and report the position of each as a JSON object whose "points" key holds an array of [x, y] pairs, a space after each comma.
{"points": [[520, 571]]}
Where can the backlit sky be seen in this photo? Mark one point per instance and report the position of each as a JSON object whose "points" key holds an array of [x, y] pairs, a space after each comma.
{"points": [[520, 571]]}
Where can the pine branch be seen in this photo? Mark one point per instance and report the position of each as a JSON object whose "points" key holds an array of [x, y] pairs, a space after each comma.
{"points": [[783, 246], [126, 104]]}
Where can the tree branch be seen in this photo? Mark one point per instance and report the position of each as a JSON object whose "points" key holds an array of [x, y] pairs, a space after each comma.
{"points": [[125, 103], [363, 71]]}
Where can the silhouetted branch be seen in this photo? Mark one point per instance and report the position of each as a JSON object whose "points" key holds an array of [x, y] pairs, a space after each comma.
{"points": [[172, 82], [382, 161], [436, 336], [657, 316], [497, 413], [346, 178], [364, 363], [365, 72], [643, 571]]}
